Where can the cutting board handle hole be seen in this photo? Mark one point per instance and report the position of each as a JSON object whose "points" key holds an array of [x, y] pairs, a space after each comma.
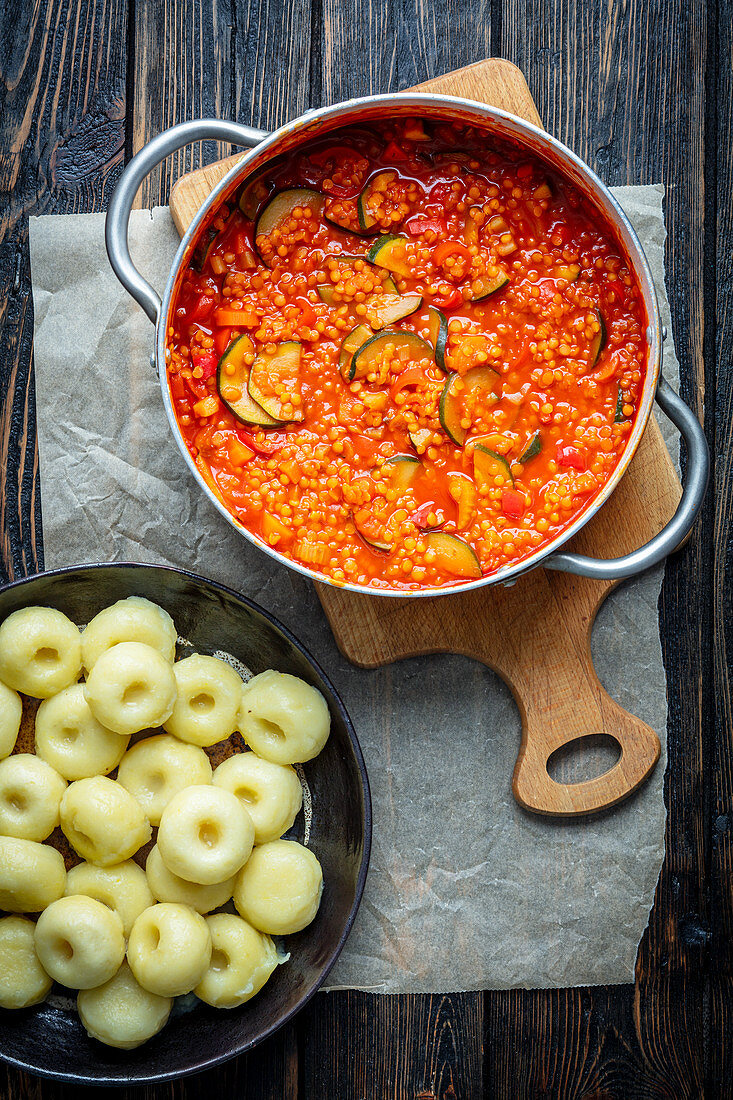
{"points": [[584, 758]]}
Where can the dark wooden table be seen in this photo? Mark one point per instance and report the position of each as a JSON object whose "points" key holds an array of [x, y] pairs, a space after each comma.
{"points": [[642, 90]]}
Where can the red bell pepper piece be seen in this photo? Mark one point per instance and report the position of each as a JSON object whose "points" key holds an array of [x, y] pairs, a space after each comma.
{"points": [[420, 515], [269, 446], [445, 249], [203, 308], [417, 225], [448, 301], [512, 503], [570, 457], [207, 361]]}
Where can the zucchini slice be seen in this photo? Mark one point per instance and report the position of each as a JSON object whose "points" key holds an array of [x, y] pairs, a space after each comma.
{"points": [[277, 368], [233, 387], [281, 207], [390, 252], [453, 555], [351, 344], [203, 248], [403, 470], [478, 382], [487, 465], [380, 182], [599, 340], [420, 438], [366, 530], [368, 354], [385, 309], [487, 285], [325, 290], [252, 196], [438, 335], [533, 448]]}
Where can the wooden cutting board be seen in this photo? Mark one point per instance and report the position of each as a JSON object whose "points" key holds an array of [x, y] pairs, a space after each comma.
{"points": [[536, 634]]}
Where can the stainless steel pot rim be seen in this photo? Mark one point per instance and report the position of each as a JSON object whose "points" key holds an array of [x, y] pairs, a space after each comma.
{"points": [[539, 143]]}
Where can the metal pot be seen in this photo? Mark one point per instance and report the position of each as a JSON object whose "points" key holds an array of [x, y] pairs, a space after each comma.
{"points": [[496, 123]]}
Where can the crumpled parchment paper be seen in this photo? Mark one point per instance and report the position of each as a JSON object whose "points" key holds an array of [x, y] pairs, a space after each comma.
{"points": [[466, 891]]}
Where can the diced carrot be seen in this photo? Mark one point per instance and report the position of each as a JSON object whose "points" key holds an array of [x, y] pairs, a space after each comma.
{"points": [[236, 318]]}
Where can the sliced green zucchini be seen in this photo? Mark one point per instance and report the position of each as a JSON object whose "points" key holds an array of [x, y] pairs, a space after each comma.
{"points": [[599, 340], [351, 343], [252, 196], [480, 381], [487, 285], [269, 369], [385, 309], [420, 438], [368, 354], [325, 290], [487, 465], [403, 470], [389, 252], [453, 555], [568, 271], [233, 387], [367, 531], [380, 182], [281, 207], [203, 248], [619, 416], [438, 335], [533, 448]]}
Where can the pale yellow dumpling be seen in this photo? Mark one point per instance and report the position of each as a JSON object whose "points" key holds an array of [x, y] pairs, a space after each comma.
{"points": [[23, 981], [131, 688], [71, 740], [282, 718], [79, 942], [279, 889], [102, 821], [11, 713], [30, 797], [40, 651], [271, 793], [121, 1013], [122, 887], [169, 949], [242, 960], [169, 887], [159, 767], [134, 619], [209, 694], [32, 875], [205, 835]]}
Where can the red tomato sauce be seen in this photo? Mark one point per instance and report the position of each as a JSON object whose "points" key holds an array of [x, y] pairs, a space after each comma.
{"points": [[406, 357]]}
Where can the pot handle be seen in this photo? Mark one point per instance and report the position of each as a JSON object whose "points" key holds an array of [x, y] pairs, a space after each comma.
{"points": [[671, 536], [118, 214]]}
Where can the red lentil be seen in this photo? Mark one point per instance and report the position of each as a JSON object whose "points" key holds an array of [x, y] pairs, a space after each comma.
{"points": [[545, 371]]}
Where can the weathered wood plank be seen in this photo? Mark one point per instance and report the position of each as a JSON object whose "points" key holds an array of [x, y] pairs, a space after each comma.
{"points": [[62, 82]]}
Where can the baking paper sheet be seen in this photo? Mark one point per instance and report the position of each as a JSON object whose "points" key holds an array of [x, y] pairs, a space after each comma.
{"points": [[466, 891]]}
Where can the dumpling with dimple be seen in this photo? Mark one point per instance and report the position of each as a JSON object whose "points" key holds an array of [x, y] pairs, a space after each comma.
{"points": [[121, 1013], [131, 688], [11, 714], [40, 651], [283, 718], [23, 981], [134, 619], [71, 740]]}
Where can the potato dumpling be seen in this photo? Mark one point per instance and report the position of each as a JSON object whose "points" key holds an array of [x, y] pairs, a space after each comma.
{"points": [[205, 835], [40, 651], [209, 694], [169, 949], [71, 740], [30, 796], [102, 821], [79, 942], [121, 1013], [279, 890], [122, 887], [131, 688], [282, 718], [242, 960], [169, 887], [23, 981], [155, 769], [11, 713], [271, 793], [134, 619], [32, 875]]}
